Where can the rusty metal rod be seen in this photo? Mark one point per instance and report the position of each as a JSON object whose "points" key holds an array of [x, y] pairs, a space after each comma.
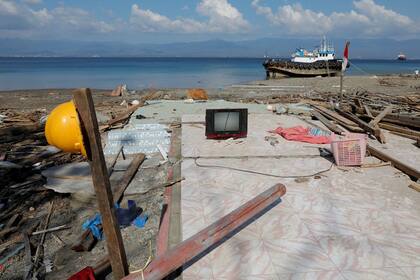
{"points": [[209, 238]]}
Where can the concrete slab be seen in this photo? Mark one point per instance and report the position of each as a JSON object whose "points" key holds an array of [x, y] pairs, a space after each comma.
{"points": [[167, 111], [348, 223], [195, 144]]}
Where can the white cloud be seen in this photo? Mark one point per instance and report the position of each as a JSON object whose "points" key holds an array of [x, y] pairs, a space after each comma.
{"points": [[15, 18], [8, 8], [149, 21], [70, 18], [222, 17], [368, 19], [32, 2]]}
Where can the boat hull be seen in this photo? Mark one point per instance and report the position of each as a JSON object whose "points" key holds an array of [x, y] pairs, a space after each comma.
{"points": [[287, 68]]}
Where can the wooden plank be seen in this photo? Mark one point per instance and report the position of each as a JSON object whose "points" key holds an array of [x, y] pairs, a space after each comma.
{"points": [[93, 145], [397, 128], [376, 131], [368, 111], [379, 117], [128, 176], [114, 161], [414, 186], [411, 120], [395, 162], [334, 115], [358, 103], [87, 240], [331, 126], [28, 256], [352, 126], [209, 238], [404, 135]]}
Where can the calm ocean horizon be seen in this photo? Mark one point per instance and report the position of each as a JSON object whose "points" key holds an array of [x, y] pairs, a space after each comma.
{"points": [[138, 73]]}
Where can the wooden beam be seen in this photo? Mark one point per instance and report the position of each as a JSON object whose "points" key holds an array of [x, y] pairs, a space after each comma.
{"points": [[415, 186], [209, 238], [331, 126], [411, 120], [352, 126], [374, 130], [395, 162], [334, 115], [127, 177], [87, 240], [399, 129], [92, 141], [379, 117], [367, 110]]}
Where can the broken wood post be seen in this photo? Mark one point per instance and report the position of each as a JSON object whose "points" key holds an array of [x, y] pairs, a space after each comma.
{"points": [[379, 117], [331, 126], [396, 163], [114, 161], [367, 111], [341, 88], [128, 176], [374, 130], [209, 238], [87, 240], [92, 141], [415, 186]]}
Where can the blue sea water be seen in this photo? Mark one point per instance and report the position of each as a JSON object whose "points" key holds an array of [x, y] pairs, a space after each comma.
{"points": [[137, 73]]}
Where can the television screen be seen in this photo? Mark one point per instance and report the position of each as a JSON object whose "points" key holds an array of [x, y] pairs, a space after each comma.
{"points": [[226, 121]]}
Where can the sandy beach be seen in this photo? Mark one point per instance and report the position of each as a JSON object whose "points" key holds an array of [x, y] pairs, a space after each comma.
{"points": [[22, 100]]}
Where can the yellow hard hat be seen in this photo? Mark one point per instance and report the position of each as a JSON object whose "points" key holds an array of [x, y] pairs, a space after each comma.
{"points": [[62, 129]]}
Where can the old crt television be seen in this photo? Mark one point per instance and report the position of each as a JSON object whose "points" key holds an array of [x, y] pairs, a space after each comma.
{"points": [[226, 123]]}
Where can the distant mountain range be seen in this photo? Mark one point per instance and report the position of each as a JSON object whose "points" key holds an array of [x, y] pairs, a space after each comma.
{"points": [[273, 47]]}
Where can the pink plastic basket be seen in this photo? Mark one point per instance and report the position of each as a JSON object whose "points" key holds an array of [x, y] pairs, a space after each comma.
{"points": [[350, 149]]}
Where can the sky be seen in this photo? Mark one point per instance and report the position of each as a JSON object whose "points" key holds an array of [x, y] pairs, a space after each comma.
{"points": [[160, 21]]}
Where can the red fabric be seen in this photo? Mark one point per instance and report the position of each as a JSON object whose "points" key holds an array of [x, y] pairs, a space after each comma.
{"points": [[301, 134], [86, 273]]}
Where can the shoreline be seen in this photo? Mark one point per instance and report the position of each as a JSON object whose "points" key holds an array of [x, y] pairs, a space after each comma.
{"points": [[271, 81], [261, 91]]}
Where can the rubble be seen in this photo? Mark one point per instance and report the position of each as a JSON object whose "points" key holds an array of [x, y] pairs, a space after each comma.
{"points": [[34, 174]]}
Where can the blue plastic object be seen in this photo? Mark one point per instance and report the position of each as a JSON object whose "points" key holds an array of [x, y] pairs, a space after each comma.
{"points": [[92, 224], [140, 221], [126, 215]]}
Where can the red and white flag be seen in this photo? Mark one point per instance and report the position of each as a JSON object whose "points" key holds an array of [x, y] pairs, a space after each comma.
{"points": [[346, 57]]}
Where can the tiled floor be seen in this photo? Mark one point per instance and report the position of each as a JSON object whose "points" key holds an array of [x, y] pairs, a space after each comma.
{"points": [[348, 224]]}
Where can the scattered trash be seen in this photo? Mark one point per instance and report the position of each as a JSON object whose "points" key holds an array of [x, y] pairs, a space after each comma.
{"points": [[48, 264], [197, 94], [126, 215], [162, 152], [140, 221], [280, 109], [301, 134], [273, 140], [43, 119], [350, 149], [94, 226], [12, 254], [86, 273], [119, 90], [140, 117], [135, 102]]}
